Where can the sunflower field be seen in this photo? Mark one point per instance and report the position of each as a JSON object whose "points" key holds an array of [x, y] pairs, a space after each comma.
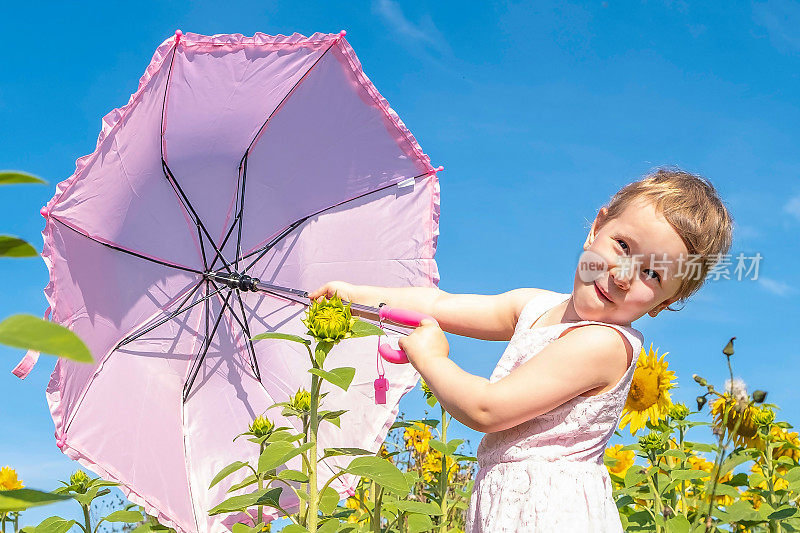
{"points": [[747, 478]]}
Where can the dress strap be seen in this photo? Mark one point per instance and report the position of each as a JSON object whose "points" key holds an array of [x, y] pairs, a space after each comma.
{"points": [[538, 306]]}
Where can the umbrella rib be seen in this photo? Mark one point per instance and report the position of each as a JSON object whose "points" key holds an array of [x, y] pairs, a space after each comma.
{"points": [[126, 251], [303, 77], [238, 221], [130, 338], [252, 348], [245, 330], [198, 362], [266, 248], [187, 205]]}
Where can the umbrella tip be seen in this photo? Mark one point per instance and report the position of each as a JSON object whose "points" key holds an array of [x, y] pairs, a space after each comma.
{"points": [[44, 212], [340, 36], [178, 34], [439, 168]]}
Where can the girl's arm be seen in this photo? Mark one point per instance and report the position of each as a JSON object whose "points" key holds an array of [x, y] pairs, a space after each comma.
{"points": [[584, 358], [486, 317]]}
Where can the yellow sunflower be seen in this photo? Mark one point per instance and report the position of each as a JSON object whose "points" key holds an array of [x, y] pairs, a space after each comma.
{"points": [[648, 398], [8, 479], [783, 442], [701, 463], [418, 437], [354, 503], [747, 434], [432, 467], [618, 460], [384, 452]]}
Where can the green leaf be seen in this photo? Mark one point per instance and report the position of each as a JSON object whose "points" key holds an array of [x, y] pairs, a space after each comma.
{"points": [[331, 525], [31, 333], [239, 503], [417, 523], [225, 472], [54, 524], [125, 516], [330, 452], [381, 471], [328, 500], [689, 474], [634, 476], [294, 528], [244, 528], [732, 462], [11, 246], [21, 499], [14, 177], [783, 513], [363, 328], [278, 453], [674, 453], [293, 475], [87, 497], [341, 377], [407, 506], [678, 524], [446, 449], [246, 482], [282, 336]]}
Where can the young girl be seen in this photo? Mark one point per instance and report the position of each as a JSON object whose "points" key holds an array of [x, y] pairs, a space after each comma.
{"points": [[548, 418]]}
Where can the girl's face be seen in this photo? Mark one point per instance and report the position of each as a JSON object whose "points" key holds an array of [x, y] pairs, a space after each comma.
{"points": [[641, 252]]}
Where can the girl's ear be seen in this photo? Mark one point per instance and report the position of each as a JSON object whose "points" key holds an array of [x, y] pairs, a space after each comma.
{"points": [[660, 307], [598, 222]]}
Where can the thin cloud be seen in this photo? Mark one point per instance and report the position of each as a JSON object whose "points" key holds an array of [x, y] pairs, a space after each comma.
{"points": [[775, 287], [792, 207], [422, 38], [781, 20]]}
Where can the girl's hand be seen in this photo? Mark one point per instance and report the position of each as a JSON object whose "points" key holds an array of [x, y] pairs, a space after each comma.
{"points": [[344, 290], [425, 343]]}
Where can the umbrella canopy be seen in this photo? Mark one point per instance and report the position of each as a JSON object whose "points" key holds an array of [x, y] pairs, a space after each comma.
{"points": [[267, 156]]}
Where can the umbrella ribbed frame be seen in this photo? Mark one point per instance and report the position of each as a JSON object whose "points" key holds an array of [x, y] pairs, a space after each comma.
{"points": [[230, 280]]}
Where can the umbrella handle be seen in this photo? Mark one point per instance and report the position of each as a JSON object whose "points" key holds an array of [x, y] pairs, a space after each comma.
{"points": [[400, 316]]}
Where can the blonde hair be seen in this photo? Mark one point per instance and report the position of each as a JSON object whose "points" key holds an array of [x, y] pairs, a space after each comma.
{"points": [[691, 204]]}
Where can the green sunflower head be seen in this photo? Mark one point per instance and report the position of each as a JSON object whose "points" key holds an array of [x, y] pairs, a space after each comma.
{"points": [[329, 320], [81, 479], [302, 400], [261, 426]]}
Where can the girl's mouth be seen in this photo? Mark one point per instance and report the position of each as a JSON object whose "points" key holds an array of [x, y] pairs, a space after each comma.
{"points": [[600, 293]]}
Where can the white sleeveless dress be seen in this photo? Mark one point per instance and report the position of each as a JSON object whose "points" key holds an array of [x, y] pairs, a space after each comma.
{"points": [[547, 474]]}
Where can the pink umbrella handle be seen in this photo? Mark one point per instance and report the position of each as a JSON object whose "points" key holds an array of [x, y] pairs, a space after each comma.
{"points": [[400, 316]]}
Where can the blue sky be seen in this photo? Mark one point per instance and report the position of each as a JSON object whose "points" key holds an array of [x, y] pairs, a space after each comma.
{"points": [[538, 112]]}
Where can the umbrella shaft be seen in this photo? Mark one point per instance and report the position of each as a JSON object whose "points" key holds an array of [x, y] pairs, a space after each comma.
{"points": [[247, 283]]}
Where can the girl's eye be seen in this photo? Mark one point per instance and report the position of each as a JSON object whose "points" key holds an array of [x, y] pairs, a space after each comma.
{"points": [[656, 275], [623, 242]]}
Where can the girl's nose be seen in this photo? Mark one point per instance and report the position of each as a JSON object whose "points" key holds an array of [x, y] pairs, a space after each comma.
{"points": [[620, 272]]}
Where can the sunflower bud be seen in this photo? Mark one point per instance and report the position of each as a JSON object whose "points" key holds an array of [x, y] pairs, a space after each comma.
{"points": [[261, 426], [701, 401], [79, 478], [678, 411], [728, 349], [650, 442], [302, 400], [425, 389], [764, 416], [700, 380], [329, 320], [759, 396]]}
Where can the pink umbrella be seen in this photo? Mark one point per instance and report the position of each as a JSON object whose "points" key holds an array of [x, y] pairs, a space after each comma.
{"points": [[267, 157]]}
